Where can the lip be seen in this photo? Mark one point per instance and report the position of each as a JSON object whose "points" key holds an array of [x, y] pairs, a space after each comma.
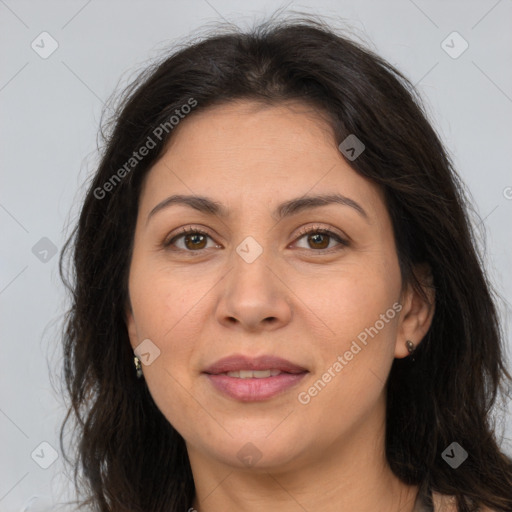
{"points": [[254, 389], [239, 362]]}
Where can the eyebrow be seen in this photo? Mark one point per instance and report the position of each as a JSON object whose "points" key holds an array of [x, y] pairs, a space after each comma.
{"points": [[288, 208]]}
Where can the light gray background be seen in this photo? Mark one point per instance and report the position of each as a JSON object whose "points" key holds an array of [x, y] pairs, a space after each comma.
{"points": [[50, 114]]}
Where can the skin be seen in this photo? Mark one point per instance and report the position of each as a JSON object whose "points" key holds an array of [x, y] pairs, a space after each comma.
{"points": [[305, 301]]}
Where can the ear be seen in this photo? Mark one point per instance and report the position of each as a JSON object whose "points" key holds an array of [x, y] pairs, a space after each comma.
{"points": [[417, 311], [130, 325]]}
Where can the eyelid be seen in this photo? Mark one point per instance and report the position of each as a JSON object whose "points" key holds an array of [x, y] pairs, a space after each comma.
{"points": [[322, 228]]}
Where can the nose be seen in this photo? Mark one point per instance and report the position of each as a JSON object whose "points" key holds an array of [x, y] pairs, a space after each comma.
{"points": [[254, 297]]}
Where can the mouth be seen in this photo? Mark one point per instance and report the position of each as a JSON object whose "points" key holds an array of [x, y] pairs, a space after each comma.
{"points": [[254, 379]]}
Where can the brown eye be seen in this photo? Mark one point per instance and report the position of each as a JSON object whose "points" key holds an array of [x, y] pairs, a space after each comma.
{"points": [[320, 238], [194, 239]]}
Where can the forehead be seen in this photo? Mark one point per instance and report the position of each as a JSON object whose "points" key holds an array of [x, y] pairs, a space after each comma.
{"points": [[247, 150], [255, 127]]}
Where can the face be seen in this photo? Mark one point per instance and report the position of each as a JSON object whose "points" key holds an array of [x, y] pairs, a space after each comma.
{"points": [[317, 285]]}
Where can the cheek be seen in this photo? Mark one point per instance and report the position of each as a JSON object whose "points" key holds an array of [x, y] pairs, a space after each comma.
{"points": [[361, 309], [164, 300], [167, 310], [354, 299]]}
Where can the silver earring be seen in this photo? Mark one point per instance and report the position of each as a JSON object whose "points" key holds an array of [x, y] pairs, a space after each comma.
{"points": [[411, 348], [138, 367]]}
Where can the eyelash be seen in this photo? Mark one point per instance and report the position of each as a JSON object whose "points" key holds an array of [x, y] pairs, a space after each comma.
{"points": [[303, 232]]}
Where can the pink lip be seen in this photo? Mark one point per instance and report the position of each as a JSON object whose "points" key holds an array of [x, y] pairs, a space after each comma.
{"points": [[253, 390], [240, 362]]}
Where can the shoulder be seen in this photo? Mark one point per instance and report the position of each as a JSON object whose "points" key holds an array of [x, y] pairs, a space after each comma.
{"points": [[444, 503]]}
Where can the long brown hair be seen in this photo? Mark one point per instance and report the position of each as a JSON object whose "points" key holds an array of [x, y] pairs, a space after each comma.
{"points": [[128, 456]]}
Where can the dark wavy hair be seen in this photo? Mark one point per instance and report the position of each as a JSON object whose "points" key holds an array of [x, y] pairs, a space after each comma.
{"points": [[127, 456]]}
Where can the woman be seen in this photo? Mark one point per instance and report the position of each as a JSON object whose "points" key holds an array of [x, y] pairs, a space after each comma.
{"points": [[277, 234]]}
